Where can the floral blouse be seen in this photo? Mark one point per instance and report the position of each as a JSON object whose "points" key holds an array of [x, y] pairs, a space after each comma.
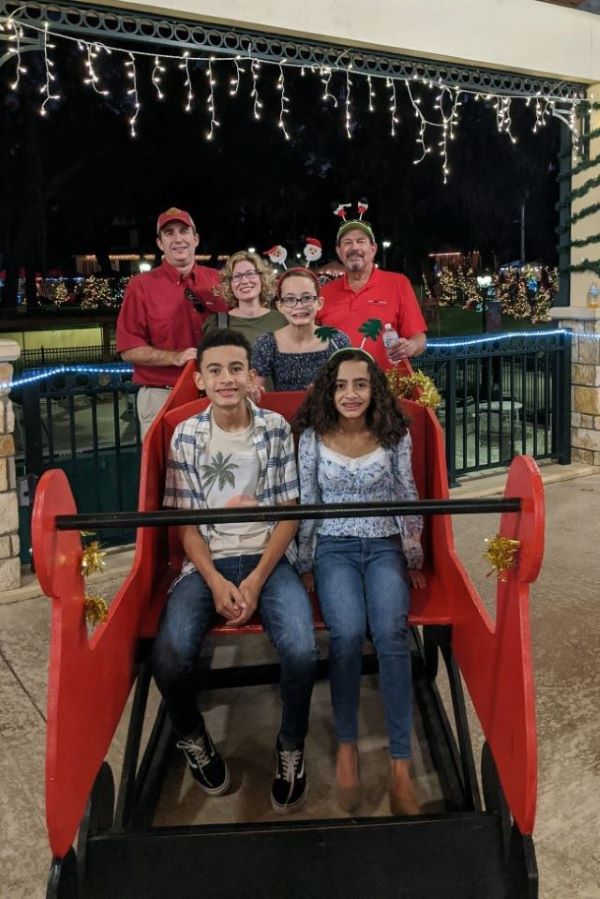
{"points": [[292, 371], [382, 475]]}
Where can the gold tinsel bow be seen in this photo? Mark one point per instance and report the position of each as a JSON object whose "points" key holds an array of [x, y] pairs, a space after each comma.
{"points": [[501, 553], [92, 559], [418, 387], [96, 609]]}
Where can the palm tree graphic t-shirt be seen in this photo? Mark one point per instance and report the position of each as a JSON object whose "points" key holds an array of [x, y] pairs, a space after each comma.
{"points": [[229, 474]]}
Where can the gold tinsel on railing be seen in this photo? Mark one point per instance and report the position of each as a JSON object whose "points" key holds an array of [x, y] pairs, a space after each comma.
{"points": [[96, 609], [417, 387], [501, 554], [92, 560]]}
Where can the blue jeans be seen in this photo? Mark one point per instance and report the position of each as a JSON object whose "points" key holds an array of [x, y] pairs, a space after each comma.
{"points": [[363, 588], [286, 615]]}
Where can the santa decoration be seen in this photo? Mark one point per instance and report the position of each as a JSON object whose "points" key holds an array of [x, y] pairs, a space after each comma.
{"points": [[312, 250], [277, 255]]}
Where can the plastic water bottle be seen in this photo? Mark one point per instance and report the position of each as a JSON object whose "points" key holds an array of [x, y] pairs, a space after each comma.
{"points": [[390, 338], [593, 297]]}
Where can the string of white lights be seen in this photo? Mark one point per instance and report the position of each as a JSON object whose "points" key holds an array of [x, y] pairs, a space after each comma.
{"points": [[348, 105], [326, 72], [14, 46], [185, 67], [284, 109], [234, 82], [133, 93], [391, 86], [156, 77], [210, 102], [92, 52], [46, 88], [257, 105], [371, 94]]}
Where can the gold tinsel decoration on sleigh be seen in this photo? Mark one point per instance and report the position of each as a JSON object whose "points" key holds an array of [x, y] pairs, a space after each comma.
{"points": [[501, 553], [95, 607], [417, 387]]}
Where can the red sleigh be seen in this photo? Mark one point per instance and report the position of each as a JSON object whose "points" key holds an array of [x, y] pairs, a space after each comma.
{"points": [[478, 847]]}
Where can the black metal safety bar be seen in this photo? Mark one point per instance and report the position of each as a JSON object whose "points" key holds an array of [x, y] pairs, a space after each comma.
{"points": [[165, 517]]}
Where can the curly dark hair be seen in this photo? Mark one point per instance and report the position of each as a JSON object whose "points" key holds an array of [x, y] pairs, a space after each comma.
{"points": [[384, 418]]}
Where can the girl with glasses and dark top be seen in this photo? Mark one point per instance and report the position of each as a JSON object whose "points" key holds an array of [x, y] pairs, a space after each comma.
{"points": [[292, 356], [248, 286]]}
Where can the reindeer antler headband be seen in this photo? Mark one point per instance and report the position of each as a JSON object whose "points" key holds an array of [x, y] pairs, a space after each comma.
{"points": [[339, 209]]}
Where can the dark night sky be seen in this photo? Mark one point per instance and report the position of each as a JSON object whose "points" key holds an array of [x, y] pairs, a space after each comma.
{"points": [[250, 186]]}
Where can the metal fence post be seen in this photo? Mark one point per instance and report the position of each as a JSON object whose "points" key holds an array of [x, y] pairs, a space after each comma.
{"points": [[32, 429], [561, 421], [451, 421]]}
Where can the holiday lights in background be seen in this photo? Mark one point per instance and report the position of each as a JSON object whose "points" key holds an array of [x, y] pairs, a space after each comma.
{"points": [[435, 128]]}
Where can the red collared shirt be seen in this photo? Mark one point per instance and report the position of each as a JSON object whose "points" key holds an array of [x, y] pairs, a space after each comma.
{"points": [[156, 313], [386, 295]]}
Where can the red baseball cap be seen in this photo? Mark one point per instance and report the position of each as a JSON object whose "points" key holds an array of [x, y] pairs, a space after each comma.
{"points": [[173, 214]]}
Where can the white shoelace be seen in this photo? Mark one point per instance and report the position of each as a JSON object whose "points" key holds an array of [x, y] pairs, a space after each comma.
{"points": [[290, 759], [197, 749]]}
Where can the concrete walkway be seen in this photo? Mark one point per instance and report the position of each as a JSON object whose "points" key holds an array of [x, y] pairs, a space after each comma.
{"points": [[566, 636]]}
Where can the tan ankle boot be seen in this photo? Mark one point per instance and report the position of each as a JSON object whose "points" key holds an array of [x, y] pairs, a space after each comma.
{"points": [[403, 799], [347, 777]]}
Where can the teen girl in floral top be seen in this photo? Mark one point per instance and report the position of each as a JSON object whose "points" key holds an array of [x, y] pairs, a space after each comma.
{"points": [[355, 447]]}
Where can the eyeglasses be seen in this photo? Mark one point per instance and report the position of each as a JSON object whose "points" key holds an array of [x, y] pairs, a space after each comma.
{"points": [[239, 277], [305, 300], [195, 300]]}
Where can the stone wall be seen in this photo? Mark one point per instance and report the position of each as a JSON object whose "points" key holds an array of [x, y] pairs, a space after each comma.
{"points": [[10, 565], [585, 381]]}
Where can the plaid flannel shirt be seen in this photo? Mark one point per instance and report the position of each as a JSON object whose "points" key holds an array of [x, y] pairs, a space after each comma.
{"points": [[277, 480]]}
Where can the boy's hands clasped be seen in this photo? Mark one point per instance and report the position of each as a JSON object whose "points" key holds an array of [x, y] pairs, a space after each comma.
{"points": [[236, 605]]}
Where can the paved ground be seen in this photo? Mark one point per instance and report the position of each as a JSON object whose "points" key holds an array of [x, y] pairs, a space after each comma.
{"points": [[566, 634]]}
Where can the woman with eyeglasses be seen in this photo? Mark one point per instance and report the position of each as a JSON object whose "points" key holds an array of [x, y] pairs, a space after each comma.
{"points": [[248, 286], [291, 356]]}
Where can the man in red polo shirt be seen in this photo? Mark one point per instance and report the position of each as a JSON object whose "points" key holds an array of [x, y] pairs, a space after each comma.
{"points": [[163, 312], [365, 291]]}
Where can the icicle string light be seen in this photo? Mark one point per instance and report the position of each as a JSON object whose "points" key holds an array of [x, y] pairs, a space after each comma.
{"points": [[391, 86], [234, 83], [348, 113], [92, 78], [210, 102], [187, 83], [133, 93], [326, 72], [46, 88], [284, 108], [257, 105], [156, 77]]}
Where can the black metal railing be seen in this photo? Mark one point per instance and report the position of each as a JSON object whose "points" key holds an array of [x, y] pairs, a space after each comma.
{"points": [[502, 396], [86, 424], [75, 355]]}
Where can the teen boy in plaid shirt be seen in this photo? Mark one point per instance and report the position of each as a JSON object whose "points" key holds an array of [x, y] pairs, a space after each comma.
{"points": [[235, 454]]}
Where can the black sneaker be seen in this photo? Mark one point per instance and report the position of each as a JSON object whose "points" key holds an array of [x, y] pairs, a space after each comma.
{"points": [[290, 787], [208, 768]]}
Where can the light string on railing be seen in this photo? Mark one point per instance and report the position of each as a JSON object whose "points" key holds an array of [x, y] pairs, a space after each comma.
{"points": [[434, 343], [446, 100]]}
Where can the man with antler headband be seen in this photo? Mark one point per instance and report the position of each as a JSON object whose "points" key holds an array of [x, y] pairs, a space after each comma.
{"points": [[163, 313], [367, 292]]}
